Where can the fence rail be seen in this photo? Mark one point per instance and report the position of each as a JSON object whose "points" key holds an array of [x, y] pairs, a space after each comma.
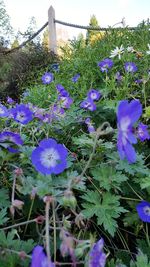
{"points": [[51, 23]]}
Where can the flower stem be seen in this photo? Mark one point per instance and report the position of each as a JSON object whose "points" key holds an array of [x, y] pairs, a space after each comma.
{"points": [[54, 227], [18, 224], [32, 202], [13, 190], [100, 131], [47, 207], [147, 235]]}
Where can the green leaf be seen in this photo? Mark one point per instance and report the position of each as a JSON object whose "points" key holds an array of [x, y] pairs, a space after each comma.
{"points": [[4, 198], [108, 177], [141, 260], [106, 208], [3, 214], [145, 182], [138, 167]]}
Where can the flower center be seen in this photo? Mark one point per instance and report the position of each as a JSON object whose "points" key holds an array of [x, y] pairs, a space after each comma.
{"points": [[147, 210], [20, 116], [130, 68], [141, 132], [93, 95], [47, 78], [49, 157]]}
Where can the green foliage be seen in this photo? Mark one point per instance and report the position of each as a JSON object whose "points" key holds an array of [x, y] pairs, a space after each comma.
{"points": [[106, 208], [4, 198], [108, 177], [141, 260], [97, 194], [3, 216]]}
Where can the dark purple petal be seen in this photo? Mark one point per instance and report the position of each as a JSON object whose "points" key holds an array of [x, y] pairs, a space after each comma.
{"points": [[38, 256], [135, 110], [130, 152], [39, 259], [97, 257], [122, 109], [131, 138], [120, 146]]}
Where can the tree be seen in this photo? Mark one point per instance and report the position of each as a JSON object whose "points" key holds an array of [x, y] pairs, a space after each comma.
{"points": [[15, 43], [45, 41], [5, 27], [93, 23]]}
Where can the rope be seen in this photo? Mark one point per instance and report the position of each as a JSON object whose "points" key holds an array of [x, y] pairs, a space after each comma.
{"points": [[25, 42], [69, 25], [90, 27]]}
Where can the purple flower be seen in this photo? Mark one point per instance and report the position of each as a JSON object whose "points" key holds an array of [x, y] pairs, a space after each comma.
{"points": [[21, 113], [10, 100], [61, 90], [3, 111], [118, 77], [97, 258], [105, 64], [142, 132], [143, 209], [91, 128], [65, 101], [130, 67], [39, 259], [127, 115], [57, 112], [88, 104], [75, 78], [47, 78], [138, 81], [11, 137], [55, 67], [49, 157], [94, 94]]}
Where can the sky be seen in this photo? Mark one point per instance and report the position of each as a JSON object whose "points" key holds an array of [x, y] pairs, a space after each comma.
{"points": [[107, 12]]}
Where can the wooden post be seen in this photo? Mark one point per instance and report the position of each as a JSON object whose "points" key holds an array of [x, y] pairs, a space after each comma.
{"points": [[52, 30]]}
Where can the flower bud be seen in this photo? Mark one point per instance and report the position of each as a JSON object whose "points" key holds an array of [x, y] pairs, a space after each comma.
{"points": [[17, 204], [69, 199], [18, 172]]}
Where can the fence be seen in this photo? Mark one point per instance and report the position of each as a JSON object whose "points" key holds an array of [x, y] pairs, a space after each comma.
{"points": [[52, 31]]}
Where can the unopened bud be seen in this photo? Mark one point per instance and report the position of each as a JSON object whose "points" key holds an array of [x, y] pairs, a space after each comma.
{"points": [[22, 255], [18, 204], [48, 199], [69, 199], [18, 172], [79, 220], [33, 193]]}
